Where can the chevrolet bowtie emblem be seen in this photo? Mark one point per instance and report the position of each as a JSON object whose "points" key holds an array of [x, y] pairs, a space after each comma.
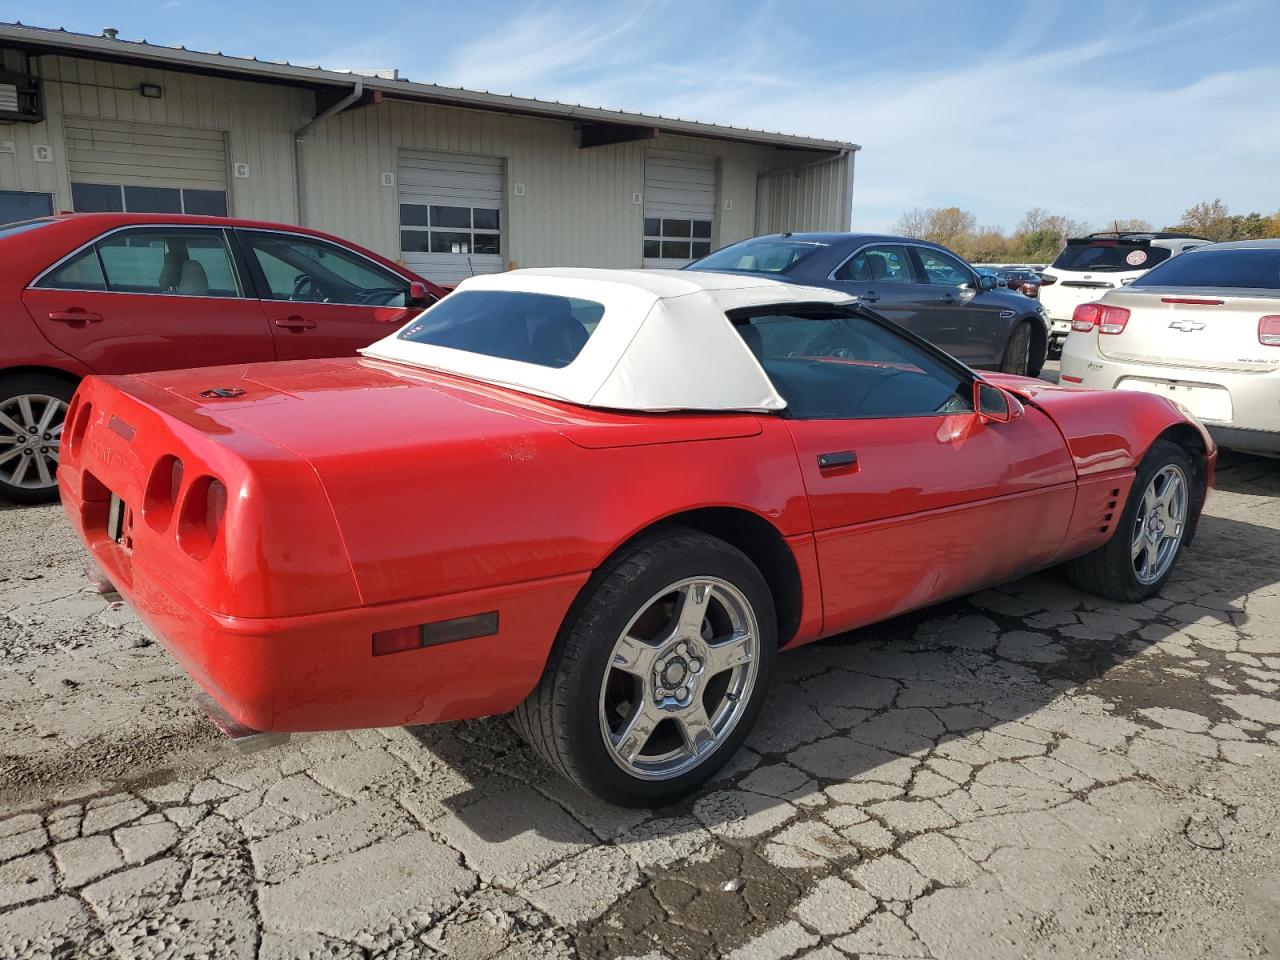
{"points": [[1186, 326]]}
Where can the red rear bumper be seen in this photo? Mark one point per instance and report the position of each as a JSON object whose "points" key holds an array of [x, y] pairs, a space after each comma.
{"points": [[318, 672]]}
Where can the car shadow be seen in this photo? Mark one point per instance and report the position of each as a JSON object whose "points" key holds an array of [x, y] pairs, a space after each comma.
{"points": [[861, 705]]}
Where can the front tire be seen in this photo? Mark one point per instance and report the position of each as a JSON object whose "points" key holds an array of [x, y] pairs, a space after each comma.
{"points": [[1157, 521], [32, 408], [1017, 352], [659, 670]]}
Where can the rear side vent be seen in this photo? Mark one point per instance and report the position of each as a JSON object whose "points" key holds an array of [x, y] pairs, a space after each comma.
{"points": [[1110, 511]]}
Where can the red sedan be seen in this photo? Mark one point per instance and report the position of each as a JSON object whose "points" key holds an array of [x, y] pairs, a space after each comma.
{"points": [[130, 293], [601, 500]]}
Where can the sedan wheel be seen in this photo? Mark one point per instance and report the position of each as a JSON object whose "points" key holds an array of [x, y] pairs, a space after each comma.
{"points": [[679, 678], [659, 670], [31, 417]]}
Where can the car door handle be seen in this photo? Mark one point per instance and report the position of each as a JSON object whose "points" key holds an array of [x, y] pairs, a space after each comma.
{"points": [[840, 458], [869, 297], [294, 323], [74, 315]]}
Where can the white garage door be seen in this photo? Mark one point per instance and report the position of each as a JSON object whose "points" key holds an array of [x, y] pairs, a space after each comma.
{"points": [[451, 215], [679, 207], [145, 167]]}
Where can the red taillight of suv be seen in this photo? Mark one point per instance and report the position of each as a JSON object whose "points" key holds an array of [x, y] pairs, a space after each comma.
{"points": [[1107, 319], [1269, 331]]}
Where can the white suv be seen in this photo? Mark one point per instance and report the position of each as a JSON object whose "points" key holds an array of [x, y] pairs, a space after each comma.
{"points": [[1089, 266]]}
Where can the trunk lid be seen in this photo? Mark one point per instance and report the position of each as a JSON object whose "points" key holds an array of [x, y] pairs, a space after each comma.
{"points": [[1193, 327]]}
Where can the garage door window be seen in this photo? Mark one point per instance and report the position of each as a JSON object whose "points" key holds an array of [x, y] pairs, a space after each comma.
{"points": [[667, 239], [425, 228], [114, 198], [18, 205]]}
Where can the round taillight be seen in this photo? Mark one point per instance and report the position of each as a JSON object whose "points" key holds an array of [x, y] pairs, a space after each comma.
{"points": [[162, 492], [200, 520]]}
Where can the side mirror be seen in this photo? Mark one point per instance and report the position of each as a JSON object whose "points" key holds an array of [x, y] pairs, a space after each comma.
{"points": [[419, 296], [986, 282], [994, 405]]}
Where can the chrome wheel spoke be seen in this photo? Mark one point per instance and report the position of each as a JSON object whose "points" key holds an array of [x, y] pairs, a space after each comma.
{"points": [[634, 656], [1139, 539], [730, 653], [696, 729], [51, 409], [630, 743], [8, 456], [694, 599]]}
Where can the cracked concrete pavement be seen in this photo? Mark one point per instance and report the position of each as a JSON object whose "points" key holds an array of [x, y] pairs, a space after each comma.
{"points": [[1030, 771]]}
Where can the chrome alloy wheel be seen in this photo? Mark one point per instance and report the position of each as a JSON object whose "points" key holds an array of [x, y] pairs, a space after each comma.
{"points": [[30, 428], [1159, 525], [679, 678]]}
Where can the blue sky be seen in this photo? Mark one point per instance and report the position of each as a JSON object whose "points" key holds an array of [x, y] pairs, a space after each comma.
{"points": [[1089, 108]]}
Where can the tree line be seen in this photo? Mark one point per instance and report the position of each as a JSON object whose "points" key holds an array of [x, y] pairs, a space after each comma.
{"points": [[1040, 234]]}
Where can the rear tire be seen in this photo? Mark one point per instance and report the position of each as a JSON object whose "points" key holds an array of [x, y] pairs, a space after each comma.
{"points": [[659, 671], [1144, 547], [1017, 352], [32, 408]]}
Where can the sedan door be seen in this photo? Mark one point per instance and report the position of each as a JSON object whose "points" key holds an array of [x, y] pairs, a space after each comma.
{"points": [[322, 299], [968, 323], [914, 498], [882, 276], [151, 298]]}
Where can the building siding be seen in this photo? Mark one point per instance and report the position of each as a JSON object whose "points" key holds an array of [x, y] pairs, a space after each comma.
{"points": [[577, 207]]}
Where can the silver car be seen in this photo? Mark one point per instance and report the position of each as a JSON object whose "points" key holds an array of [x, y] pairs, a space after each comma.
{"points": [[1202, 329]]}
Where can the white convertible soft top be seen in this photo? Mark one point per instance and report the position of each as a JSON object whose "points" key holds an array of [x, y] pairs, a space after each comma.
{"points": [[663, 343]]}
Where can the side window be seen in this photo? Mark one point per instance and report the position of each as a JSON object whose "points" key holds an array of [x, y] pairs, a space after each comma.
{"points": [[883, 264], [942, 269], [81, 272], [313, 271], [173, 262], [834, 366]]}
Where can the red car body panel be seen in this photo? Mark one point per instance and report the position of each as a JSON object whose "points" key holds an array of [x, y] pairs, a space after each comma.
{"points": [[129, 333], [366, 496]]}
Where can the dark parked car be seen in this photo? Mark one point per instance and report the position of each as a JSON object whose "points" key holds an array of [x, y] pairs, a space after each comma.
{"points": [[924, 287]]}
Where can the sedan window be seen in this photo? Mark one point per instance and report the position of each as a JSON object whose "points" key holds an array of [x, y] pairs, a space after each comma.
{"points": [[314, 271], [881, 264], [1257, 268], [175, 262], [834, 366], [941, 269], [151, 260], [764, 255]]}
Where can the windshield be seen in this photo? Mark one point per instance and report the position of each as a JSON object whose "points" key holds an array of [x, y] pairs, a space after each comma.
{"points": [[765, 255], [10, 229], [538, 328], [1255, 269], [1108, 256]]}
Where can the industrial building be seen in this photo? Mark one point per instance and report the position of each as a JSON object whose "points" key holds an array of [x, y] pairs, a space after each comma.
{"points": [[449, 181]]}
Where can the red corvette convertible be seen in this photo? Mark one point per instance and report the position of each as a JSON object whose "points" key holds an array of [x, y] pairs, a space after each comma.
{"points": [[601, 500]]}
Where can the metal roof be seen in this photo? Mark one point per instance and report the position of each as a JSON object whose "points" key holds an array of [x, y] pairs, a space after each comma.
{"points": [[38, 40]]}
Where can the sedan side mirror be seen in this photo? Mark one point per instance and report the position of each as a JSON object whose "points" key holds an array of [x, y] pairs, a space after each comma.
{"points": [[986, 282], [419, 296], [994, 405]]}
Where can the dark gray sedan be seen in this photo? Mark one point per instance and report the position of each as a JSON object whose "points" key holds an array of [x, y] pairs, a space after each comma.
{"points": [[922, 286]]}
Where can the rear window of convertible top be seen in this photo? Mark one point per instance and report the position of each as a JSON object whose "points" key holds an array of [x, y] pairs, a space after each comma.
{"points": [[538, 328]]}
